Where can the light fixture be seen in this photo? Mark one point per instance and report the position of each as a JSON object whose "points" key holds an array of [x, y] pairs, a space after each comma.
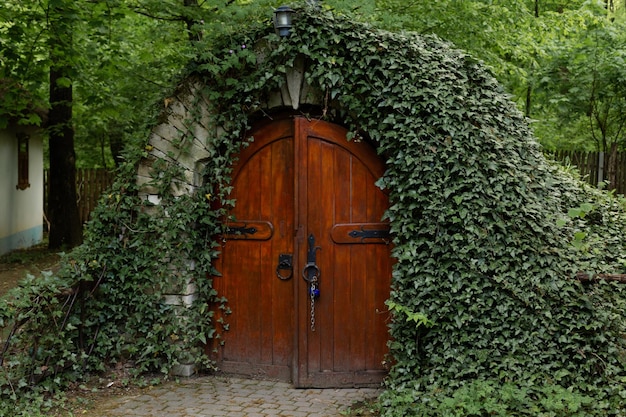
{"points": [[283, 20]]}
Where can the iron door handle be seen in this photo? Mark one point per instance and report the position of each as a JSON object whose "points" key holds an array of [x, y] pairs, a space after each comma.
{"points": [[311, 272], [285, 263]]}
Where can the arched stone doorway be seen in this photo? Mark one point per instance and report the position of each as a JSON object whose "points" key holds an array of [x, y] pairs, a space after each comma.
{"points": [[307, 219]]}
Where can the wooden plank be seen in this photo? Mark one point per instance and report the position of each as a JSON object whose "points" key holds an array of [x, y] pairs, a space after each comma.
{"points": [[378, 289], [300, 371], [267, 262], [585, 277], [343, 274], [360, 268], [90, 184], [360, 233], [317, 206], [282, 300]]}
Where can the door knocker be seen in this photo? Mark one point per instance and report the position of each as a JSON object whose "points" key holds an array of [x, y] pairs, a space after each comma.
{"points": [[285, 263]]}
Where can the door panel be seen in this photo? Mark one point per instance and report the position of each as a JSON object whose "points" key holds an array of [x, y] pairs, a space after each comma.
{"points": [[259, 340], [301, 178], [349, 340]]}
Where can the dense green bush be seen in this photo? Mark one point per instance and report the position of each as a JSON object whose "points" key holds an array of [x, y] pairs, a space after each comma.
{"points": [[488, 235]]}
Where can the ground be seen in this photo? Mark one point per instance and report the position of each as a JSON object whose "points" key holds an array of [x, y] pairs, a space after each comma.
{"points": [[15, 265], [88, 398]]}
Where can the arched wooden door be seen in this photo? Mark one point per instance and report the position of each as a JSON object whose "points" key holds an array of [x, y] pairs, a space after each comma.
{"points": [[305, 196]]}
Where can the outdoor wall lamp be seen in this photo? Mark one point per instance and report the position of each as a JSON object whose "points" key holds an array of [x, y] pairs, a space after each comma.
{"points": [[283, 17]]}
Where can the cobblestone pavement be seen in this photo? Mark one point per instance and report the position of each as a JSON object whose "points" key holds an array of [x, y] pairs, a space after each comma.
{"points": [[230, 397]]}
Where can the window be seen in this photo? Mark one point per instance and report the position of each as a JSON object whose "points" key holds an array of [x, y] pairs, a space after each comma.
{"points": [[22, 161]]}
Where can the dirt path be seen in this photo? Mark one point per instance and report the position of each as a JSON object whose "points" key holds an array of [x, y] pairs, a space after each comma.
{"points": [[15, 265]]}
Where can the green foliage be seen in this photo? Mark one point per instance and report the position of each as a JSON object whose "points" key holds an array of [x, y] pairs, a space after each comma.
{"points": [[108, 304], [494, 398], [560, 60], [584, 81], [410, 316], [124, 57], [489, 318], [35, 353]]}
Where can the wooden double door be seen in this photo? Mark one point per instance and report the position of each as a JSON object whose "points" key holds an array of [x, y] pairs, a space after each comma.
{"points": [[306, 264]]}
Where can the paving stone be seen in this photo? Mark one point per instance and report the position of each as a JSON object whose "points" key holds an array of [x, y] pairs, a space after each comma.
{"points": [[236, 397]]}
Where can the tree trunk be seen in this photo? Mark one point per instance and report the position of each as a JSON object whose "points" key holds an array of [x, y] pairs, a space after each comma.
{"points": [[612, 167], [192, 33], [529, 94], [65, 227], [116, 142], [536, 8]]}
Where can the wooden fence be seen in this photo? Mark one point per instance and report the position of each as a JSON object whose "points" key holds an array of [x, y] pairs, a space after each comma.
{"points": [[593, 166], [90, 184]]}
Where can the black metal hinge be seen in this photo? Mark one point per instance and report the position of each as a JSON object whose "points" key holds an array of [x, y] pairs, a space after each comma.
{"points": [[369, 234]]}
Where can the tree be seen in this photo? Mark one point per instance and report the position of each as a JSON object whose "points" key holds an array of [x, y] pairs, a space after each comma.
{"points": [[38, 55], [561, 60], [128, 63], [101, 67], [20, 55], [65, 225], [587, 82]]}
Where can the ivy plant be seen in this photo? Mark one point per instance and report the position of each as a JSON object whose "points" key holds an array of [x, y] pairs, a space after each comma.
{"points": [[486, 305]]}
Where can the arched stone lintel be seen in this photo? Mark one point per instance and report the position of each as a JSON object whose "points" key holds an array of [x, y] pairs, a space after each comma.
{"points": [[186, 135], [295, 91]]}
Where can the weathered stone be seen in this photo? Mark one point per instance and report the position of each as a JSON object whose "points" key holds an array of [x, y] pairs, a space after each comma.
{"points": [[154, 199], [180, 300], [184, 370], [295, 77], [145, 185], [165, 131], [180, 188], [275, 100], [286, 98], [178, 116], [145, 169], [202, 137], [165, 146]]}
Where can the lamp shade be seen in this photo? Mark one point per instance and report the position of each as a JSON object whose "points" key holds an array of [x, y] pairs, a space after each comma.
{"points": [[283, 17]]}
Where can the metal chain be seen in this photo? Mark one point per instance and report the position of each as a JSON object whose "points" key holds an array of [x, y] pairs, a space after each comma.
{"points": [[312, 295]]}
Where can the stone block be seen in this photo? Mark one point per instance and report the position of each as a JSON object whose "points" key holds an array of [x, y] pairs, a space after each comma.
{"points": [[202, 136], [295, 77], [184, 370], [145, 185], [180, 300], [275, 100], [284, 91], [165, 131], [180, 188], [164, 145], [154, 199]]}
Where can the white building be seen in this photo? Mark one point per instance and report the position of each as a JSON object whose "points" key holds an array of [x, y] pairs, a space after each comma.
{"points": [[21, 187]]}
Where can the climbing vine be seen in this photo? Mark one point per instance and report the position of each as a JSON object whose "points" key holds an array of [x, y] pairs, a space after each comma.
{"points": [[486, 244]]}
